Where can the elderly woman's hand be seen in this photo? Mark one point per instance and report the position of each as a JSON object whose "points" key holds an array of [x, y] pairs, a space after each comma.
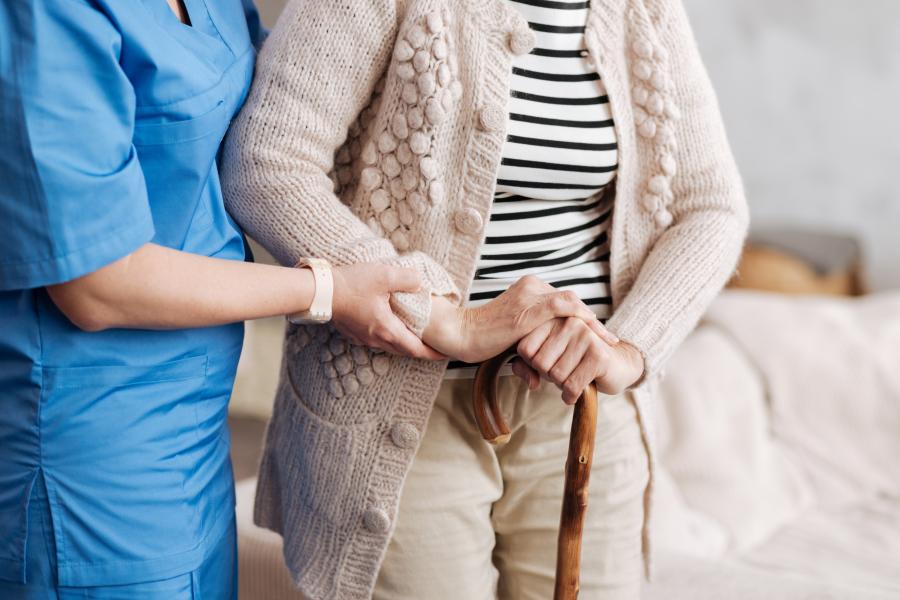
{"points": [[571, 355], [476, 334]]}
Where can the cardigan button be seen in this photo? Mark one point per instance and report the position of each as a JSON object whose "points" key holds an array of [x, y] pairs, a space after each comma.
{"points": [[521, 40], [404, 435], [491, 117], [376, 520], [468, 221]]}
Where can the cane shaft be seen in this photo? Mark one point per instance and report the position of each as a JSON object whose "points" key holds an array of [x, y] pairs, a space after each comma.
{"points": [[575, 495], [493, 428]]}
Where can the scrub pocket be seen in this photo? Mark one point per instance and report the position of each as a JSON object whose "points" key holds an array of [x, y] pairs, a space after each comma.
{"points": [[176, 177], [120, 447]]}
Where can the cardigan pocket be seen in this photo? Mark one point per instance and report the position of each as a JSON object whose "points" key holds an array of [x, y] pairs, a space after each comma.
{"points": [[329, 378], [298, 481]]}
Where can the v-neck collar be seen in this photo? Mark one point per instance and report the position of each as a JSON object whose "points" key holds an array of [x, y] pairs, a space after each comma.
{"points": [[201, 30], [202, 38]]}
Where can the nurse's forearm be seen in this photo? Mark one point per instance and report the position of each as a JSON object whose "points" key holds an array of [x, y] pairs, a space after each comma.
{"points": [[159, 288]]}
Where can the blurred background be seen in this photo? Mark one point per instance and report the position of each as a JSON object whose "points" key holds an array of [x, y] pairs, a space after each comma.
{"points": [[809, 90]]}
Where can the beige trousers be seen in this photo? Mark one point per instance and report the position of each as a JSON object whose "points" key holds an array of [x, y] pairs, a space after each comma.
{"points": [[478, 522]]}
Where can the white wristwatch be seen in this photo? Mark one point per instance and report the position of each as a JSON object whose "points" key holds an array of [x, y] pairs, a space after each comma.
{"points": [[320, 309]]}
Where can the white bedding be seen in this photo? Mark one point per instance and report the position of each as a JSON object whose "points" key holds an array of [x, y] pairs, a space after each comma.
{"points": [[780, 452]]}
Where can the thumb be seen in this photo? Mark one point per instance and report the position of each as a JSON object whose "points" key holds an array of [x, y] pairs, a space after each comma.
{"points": [[403, 279]]}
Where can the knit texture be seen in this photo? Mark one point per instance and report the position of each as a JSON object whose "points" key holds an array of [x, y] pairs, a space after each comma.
{"points": [[373, 133]]}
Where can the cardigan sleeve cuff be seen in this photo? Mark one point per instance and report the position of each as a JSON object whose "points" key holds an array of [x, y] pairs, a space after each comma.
{"points": [[639, 333], [414, 309]]}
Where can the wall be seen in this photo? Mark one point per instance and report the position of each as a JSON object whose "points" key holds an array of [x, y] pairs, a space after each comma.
{"points": [[810, 92]]}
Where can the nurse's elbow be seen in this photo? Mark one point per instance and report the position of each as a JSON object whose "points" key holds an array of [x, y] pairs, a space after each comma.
{"points": [[83, 311], [87, 320]]}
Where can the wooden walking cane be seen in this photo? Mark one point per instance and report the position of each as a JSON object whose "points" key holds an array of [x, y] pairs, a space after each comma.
{"points": [[494, 429]]}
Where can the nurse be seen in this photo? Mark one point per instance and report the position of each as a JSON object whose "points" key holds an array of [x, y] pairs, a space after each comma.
{"points": [[122, 289]]}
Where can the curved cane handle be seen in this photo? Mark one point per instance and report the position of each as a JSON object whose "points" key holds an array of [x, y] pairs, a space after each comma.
{"points": [[488, 417]]}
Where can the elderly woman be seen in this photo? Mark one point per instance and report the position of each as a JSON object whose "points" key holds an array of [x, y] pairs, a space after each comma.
{"points": [[575, 143]]}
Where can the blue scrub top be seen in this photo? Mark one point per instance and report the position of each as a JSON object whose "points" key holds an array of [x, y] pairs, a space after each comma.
{"points": [[111, 117]]}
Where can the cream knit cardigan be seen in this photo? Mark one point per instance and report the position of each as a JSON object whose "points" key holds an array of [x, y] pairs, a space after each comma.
{"points": [[373, 133]]}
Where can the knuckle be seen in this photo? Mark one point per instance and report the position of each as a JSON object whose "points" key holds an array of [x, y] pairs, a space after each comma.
{"points": [[557, 375], [576, 325], [524, 350]]}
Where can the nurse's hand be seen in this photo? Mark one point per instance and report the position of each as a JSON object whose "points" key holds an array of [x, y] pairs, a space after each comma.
{"points": [[476, 334], [361, 308]]}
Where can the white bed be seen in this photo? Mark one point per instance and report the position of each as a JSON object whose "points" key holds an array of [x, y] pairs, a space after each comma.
{"points": [[780, 452]]}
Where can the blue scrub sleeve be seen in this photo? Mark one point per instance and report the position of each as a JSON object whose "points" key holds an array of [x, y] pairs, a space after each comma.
{"points": [[72, 192]]}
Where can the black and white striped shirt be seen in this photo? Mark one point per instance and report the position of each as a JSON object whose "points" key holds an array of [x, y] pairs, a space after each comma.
{"points": [[550, 216]]}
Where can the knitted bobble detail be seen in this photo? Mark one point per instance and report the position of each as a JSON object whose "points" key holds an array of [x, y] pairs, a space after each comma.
{"points": [[399, 176], [416, 37], [653, 112], [399, 126], [521, 40], [405, 71], [409, 180], [381, 364], [426, 84], [403, 51], [429, 168], [379, 200], [365, 375], [434, 22], [643, 48], [415, 118], [421, 61], [400, 240], [391, 166], [419, 143], [370, 178], [347, 367], [350, 384], [337, 346], [410, 93]]}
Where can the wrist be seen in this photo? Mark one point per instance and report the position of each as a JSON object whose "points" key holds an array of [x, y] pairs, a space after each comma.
{"points": [[339, 281], [304, 291], [634, 360], [444, 331]]}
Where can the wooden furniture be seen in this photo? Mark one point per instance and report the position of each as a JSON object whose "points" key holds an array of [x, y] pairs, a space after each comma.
{"points": [[494, 429], [792, 260]]}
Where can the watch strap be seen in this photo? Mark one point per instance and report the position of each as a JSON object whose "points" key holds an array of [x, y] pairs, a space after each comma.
{"points": [[320, 309]]}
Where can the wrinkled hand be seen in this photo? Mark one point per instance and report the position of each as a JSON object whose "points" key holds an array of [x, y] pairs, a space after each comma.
{"points": [[361, 308], [476, 334], [571, 355]]}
